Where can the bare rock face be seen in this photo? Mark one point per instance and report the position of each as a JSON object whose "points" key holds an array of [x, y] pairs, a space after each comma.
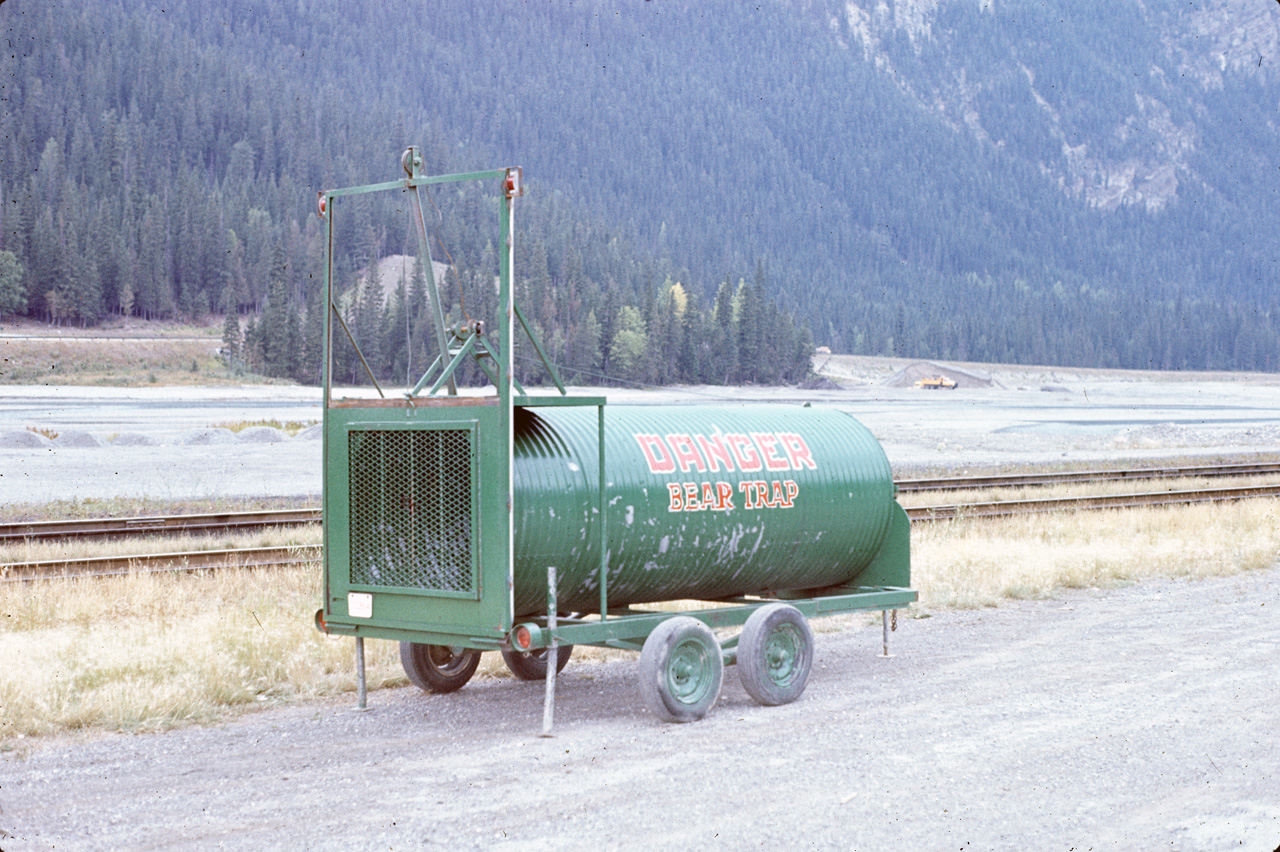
{"points": [[1144, 156]]}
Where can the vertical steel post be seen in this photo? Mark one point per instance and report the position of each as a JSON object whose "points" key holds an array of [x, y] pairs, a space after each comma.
{"points": [[437, 309], [884, 617], [362, 694], [604, 532], [506, 373], [553, 656]]}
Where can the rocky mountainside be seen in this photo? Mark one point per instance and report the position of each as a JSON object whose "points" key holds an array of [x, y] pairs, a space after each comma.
{"points": [[955, 56]]}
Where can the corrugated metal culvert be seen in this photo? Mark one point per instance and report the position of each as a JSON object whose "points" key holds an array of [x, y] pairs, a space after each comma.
{"points": [[704, 502]]}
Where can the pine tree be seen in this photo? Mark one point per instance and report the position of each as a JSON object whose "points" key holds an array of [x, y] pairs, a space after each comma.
{"points": [[231, 338], [13, 285]]}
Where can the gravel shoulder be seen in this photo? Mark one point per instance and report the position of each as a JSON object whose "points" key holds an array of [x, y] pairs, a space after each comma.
{"points": [[1137, 718]]}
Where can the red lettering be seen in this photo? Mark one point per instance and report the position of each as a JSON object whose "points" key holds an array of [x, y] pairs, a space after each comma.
{"points": [[691, 503], [769, 449], [792, 491], [655, 453], [676, 490], [686, 453], [715, 451], [744, 452], [708, 495], [724, 496], [797, 450], [762, 492], [748, 494]]}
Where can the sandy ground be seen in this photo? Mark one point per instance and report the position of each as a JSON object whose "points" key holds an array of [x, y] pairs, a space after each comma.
{"points": [[1143, 718], [1026, 416]]}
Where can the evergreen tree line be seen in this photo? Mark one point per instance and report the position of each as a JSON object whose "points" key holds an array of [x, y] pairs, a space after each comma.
{"points": [[115, 202]]}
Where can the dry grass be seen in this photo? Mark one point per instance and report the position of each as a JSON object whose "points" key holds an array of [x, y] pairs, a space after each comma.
{"points": [[148, 652], [137, 507], [118, 362], [58, 549], [979, 563], [290, 428]]}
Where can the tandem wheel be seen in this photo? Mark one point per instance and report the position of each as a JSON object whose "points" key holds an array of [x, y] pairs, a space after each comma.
{"points": [[681, 668], [532, 665], [438, 668], [775, 654]]}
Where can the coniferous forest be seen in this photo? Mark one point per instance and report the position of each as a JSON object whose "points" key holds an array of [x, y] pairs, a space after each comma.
{"points": [[713, 189]]}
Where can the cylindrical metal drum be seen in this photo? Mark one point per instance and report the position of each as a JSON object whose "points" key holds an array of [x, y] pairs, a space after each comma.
{"points": [[703, 502]]}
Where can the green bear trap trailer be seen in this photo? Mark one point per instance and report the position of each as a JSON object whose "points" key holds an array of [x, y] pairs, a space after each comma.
{"points": [[501, 520]]}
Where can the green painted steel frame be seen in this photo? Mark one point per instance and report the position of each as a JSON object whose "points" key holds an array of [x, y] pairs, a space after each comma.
{"points": [[482, 619], [485, 620]]}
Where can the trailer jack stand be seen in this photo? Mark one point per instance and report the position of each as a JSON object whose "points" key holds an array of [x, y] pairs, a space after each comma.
{"points": [[362, 693], [553, 656]]}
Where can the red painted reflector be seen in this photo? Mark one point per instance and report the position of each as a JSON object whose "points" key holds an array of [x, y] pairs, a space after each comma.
{"points": [[522, 637]]}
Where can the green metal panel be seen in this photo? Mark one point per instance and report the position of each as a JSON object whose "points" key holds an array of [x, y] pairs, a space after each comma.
{"points": [[704, 502], [411, 523]]}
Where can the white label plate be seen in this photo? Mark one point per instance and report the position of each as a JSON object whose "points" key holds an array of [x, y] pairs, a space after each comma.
{"points": [[359, 605]]}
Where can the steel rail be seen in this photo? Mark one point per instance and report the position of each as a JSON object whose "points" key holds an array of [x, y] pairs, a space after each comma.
{"points": [[1006, 508], [1060, 478], [148, 563], [197, 523], [265, 557]]}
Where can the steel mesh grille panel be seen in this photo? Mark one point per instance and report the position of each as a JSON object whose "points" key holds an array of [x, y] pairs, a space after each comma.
{"points": [[411, 509]]}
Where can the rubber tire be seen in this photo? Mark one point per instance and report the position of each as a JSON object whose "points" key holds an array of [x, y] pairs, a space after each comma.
{"points": [[775, 654], [532, 665], [438, 668], [681, 670]]}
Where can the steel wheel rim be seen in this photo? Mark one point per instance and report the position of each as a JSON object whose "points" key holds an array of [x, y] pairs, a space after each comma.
{"points": [[446, 659], [689, 672], [782, 654]]}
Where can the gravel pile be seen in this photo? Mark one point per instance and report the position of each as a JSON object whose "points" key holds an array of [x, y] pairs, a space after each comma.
{"points": [[207, 436], [78, 438], [262, 435], [23, 439], [134, 439]]}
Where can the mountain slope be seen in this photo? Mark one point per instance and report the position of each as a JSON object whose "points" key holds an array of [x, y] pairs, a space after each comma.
{"points": [[1079, 183]]}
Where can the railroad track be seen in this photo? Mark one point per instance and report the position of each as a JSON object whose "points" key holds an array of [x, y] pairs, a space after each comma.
{"points": [[215, 522], [224, 522], [205, 560], [1061, 478]]}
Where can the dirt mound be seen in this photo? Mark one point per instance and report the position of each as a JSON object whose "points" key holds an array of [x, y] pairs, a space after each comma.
{"points": [[78, 438], [912, 373], [23, 439], [262, 435], [210, 435], [311, 433], [134, 439]]}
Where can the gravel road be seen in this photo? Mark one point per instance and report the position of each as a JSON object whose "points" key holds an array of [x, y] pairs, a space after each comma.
{"points": [[1144, 717]]}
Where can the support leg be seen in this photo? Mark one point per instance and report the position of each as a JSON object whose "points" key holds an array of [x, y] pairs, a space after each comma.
{"points": [[884, 615], [361, 692], [553, 656]]}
